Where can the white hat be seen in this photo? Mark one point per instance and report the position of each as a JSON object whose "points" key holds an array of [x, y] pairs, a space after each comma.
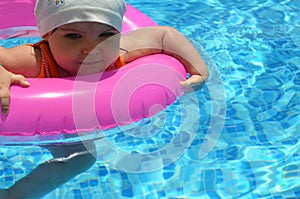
{"points": [[51, 14]]}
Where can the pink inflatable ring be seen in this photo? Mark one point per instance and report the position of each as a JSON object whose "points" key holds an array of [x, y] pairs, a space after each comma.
{"points": [[82, 104]]}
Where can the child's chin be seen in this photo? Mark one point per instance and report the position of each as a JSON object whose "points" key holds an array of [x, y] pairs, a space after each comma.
{"points": [[90, 72]]}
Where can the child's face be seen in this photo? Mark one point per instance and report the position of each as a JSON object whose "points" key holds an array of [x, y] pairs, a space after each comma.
{"points": [[77, 44]]}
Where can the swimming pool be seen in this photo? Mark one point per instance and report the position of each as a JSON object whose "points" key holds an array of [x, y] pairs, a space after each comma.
{"points": [[255, 46]]}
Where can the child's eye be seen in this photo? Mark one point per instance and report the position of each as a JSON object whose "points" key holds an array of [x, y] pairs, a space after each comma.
{"points": [[73, 36], [107, 34]]}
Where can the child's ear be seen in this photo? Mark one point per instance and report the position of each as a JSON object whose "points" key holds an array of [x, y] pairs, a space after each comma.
{"points": [[46, 36]]}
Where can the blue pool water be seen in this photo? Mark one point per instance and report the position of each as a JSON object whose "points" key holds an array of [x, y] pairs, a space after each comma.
{"points": [[248, 125]]}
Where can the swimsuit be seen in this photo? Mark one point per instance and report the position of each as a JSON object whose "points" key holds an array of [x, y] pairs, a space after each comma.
{"points": [[49, 68]]}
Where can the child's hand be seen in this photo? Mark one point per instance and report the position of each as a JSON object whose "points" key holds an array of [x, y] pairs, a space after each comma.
{"points": [[193, 80], [6, 79]]}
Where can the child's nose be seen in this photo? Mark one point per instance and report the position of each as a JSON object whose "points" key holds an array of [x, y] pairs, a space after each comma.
{"points": [[89, 46]]}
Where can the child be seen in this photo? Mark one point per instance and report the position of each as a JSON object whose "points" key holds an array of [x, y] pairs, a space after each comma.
{"points": [[71, 29]]}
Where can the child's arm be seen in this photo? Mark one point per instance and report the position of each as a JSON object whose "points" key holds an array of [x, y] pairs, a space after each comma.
{"points": [[166, 40], [15, 64], [21, 60]]}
